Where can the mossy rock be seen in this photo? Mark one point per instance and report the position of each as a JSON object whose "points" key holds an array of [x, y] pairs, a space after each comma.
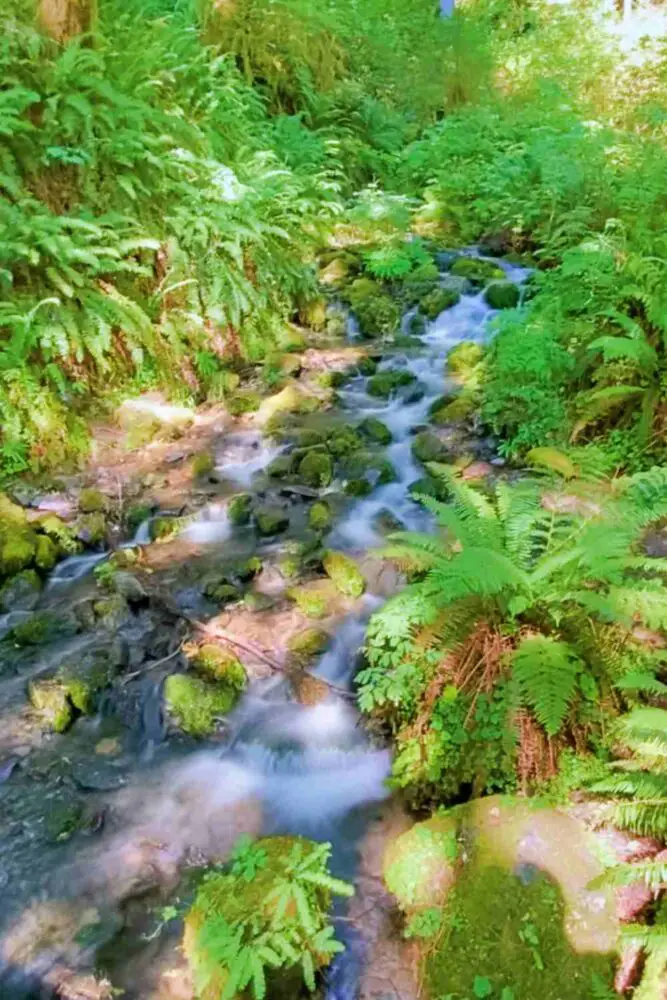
{"points": [[386, 472], [356, 464], [463, 358], [358, 487], [246, 401], [203, 463], [17, 551], [84, 682], [280, 467], [12, 515], [314, 600], [137, 515], [41, 628], [163, 529], [480, 272], [240, 509], [46, 553], [343, 441], [366, 367], [289, 400], [61, 533], [374, 430], [384, 384], [63, 817], [314, 314], [427, 447], [344, 574], [376, 312], [419, 867], [271, 521], [320, 516], [387, 523], [331, 380], [91, 528], [242, 570], [217, 664], [308, 644], [51, 701], [111, 611], [92, 501], [459, 409], [316, 469], [417, 325], [438, 301], [502, 295], [221, 592], [195, 704], [306, 437], [21, 592]]}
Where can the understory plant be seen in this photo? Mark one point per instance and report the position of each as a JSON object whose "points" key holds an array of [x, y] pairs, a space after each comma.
{"points": [[516, 629]]}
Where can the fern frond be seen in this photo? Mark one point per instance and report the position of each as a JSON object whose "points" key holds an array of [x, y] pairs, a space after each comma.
{"points": [[546, 673]]}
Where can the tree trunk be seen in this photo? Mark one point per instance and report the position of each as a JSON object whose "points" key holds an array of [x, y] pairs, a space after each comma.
{"points": [[64, 19]]}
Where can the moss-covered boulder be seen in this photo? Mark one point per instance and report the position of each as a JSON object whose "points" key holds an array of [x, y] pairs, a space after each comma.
{"points": [[386, 473], [203, 463], [51, 702], [375, 431], [21, 592], [428, 486], [17, 551], [271, 521], [281, 467], [376, 312], [91, 529], [437, 301], [343, 441], [243, 401], [479, 272], [456, 410], [309, 643], [316, 469], [419, 867], [306, 437], [195, 705], [320, 516], [502, 295], [92, 501], [240, 509], [344, 574], [217, 664], [314, 600], [358, 487], [463, 358], [291, 399], [83, 682], [417, 325], [221, 592], [427, 447], [163, 529], [46, 553], [111, 612], [12, 515], [387, 523], [384, 384], [137, 514], [61, 533], [366, 366]]}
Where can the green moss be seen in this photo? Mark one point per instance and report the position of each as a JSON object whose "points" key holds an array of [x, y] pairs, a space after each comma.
{"points": [[384, 384], [437, 301], [419, 866], [366, 366], [203, 463], [281, 467], [240, 509], [50, 700], [137, 514], [222, 592], [374, 430], [502, 295], [343, 441], [386, 472], [477, 271], [195, 704], [320, 516], [243, 402], [33, 631], [46, 553], [417, 325], [162, 529], [313, 602], [307, 644], [464, 357], [344, 574], [427, 447], [61, 533], [306, 437], [111, 612], [460, 408], [92, 501], [12, 516], [83, 682], [17, 551], [271, 521], [64, 816], [316, 469], [358, 487], [92, 528], [499, 931], [428, 486], [376, 312], [217, 664]]}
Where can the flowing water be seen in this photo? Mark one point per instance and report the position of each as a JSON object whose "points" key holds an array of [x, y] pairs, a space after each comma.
{"points": [[310, 770]]}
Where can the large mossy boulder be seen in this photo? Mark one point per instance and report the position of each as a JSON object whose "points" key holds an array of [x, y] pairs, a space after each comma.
{"points": [[17, 550], [91, 528], [291, 399], [502, 295], [271, 520], [437, 301], [419, 867], [427, 447], [92, 501], [375, 431], [320, 516], [479, 272], [384, 384], [344, 574], [239, 510], [316, 468], [217, 664], [195, 705], [315, 599], [50, 700], [46, 553], [308, 644], [21, 592], [376, 312], [464, 358], [343, 441]]}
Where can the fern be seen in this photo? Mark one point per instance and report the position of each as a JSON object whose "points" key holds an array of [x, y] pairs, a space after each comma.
{"points": [[546, 672]]}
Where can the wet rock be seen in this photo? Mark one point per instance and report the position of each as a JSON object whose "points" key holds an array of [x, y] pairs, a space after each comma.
{"points": [[387, 523], [195, 705], [344, 574], [478, 271], [216, 663], [320, 516], [428, 486], [291, 399], [386, 473], [63, 817], [240, 509], [84, 680], [384, 384], [162, 529], [41, 627], [111, 612], [271, 521], [314, 599], [316, 469], [417, 325], [21, 592], [358, 488], [306, 437], [366, 366], [92, 501], [376, 312], [309, 690], [427, 447], [46, 553], [502, 295], [50, 700], [309, 643], [280, 467], [17, 551], [374, 430], [343, 441], [203, 463], [129, 587], [437, 301]]}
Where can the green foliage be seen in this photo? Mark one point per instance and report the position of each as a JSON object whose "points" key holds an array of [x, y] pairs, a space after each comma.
{"points": [[268, 912]]}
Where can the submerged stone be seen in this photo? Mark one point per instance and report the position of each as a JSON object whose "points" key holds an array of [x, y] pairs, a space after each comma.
{"points": [[63, 817], [344, 574]]}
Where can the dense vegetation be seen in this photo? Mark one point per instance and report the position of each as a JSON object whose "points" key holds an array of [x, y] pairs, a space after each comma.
{"points": [[172, 187]]}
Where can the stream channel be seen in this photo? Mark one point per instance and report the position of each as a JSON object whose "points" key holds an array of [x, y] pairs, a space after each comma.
{"points": [[311, 769]]}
